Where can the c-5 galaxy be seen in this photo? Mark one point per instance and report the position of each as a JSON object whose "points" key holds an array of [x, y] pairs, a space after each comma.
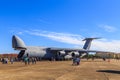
{"points": [[49, 52]]}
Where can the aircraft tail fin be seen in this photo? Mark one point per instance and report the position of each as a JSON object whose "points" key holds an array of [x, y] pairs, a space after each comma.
{"points": [[88, 43], [18, 43]]}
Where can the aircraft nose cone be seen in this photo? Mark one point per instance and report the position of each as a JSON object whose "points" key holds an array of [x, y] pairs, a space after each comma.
{"points": [[18, 43]]}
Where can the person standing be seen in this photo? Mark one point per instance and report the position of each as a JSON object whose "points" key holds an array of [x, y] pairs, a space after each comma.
{"points": [[26, 60], [3, 61], [11, 60], [74, 60], [32, 60], [78, 60]]}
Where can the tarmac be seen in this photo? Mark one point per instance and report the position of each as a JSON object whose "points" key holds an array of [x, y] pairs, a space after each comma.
{"points": [[62, 70]]}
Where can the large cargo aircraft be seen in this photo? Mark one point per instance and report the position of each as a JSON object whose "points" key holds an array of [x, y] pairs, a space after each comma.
{"points": [[49, 52]]}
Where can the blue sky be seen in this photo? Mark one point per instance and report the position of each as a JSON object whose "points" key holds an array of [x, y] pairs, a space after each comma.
{"points": [[60, 23]]}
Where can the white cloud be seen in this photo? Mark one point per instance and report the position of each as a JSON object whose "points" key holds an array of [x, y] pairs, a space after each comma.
{"points": [[60, 37], [76, 40], [108, 28], [107, 45], [20, 33]]}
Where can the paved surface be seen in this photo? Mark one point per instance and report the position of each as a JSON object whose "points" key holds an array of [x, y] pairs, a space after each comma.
{"points": [[63, 70]]}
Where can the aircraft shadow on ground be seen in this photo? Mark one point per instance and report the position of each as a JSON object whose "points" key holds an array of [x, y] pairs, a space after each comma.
{"points": [[109, 71]]}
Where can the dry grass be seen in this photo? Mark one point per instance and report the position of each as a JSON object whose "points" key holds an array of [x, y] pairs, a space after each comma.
{"points": [[63, 70]]}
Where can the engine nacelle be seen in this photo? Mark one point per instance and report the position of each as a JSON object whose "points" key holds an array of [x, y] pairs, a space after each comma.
{"points": [[67, 57], [61, 53], [75, 53]]}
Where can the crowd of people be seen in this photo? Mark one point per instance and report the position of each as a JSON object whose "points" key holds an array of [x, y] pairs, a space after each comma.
{"points": [[28, 60], [6, 60], [32, 60]]}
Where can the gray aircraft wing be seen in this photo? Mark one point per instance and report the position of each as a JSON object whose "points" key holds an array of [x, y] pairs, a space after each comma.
{"points": [[65, 49], [73, 49]]}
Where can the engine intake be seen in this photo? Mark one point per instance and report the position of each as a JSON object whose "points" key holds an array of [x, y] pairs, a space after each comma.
{"points": [[76, 53], [61, 53]]}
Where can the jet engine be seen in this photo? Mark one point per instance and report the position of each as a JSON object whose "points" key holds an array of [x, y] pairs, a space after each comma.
{"points": [[61, 53], [75, 53]]}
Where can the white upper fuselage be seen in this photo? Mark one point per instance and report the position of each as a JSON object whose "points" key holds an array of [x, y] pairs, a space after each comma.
{"points": [[35, 51]]}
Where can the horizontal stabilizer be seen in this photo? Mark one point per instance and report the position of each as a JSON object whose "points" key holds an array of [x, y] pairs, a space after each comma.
{"points": [[90, 38]]}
